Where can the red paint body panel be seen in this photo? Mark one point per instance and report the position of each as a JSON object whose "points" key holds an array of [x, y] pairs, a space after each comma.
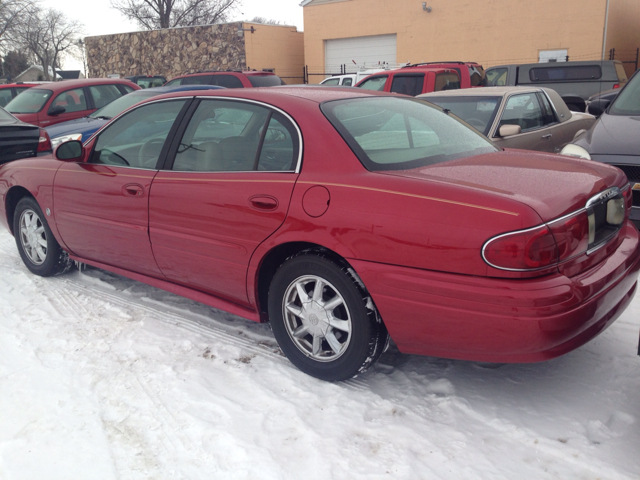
{"points": [[471, 318], [204, 227]]}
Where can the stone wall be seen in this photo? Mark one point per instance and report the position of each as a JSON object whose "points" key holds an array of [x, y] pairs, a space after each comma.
{"points": [[169, 52]]}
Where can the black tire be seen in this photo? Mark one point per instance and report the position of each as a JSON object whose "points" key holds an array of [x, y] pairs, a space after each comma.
{"points": [[31, 228], [332, 352]]}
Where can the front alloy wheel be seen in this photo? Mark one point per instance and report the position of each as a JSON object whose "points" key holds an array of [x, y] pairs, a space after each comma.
{"points": [[33, 237]]}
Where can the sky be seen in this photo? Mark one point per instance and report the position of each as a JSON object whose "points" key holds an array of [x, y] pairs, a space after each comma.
{"points": [[101, 19]]}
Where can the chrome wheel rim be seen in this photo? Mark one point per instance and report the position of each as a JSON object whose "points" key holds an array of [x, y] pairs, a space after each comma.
{"points": [[317, 318], [33, 237]]}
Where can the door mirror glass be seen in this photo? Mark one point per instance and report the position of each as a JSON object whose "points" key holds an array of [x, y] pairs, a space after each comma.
{"points": [[71, 150]]}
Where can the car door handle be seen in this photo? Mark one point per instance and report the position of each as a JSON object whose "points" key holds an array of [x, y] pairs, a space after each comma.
{"points": [[264, 202], [133, 190], [547, 135]]}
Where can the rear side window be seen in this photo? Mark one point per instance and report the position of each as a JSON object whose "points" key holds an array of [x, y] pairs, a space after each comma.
{"points": [[104, 94], [561, 73], [347, 82], [197, 80], [72, 100], [407, 84], [228, 81], [265, 80], [446, 81], [375, 83]]}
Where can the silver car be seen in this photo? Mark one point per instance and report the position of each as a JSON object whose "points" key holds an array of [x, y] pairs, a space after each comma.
{"points": [[515, 117]]}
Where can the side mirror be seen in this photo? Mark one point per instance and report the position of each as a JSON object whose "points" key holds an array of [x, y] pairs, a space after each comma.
{"points": [[509, 130], [69, 151], [57, 110], [597, 108]]}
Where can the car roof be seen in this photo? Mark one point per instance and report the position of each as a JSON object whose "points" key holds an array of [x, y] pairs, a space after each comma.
{"points": [[84, 82], [313, 93], [220, 72]]}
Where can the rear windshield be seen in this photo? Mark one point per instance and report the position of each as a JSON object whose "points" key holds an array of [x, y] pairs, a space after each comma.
{"points": [[121, 104], [560, 73], [479, 112], [628, 100], [29, 101], [150, 82], [265, 80], [394, 133]]}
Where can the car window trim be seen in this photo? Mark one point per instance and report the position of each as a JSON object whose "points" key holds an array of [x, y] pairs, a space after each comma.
{"points": [[185, 120], [165, 147], [553, 108], [504, 107]]}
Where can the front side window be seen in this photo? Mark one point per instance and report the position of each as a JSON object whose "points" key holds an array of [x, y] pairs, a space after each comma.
{"points": [[407, 84], [497, 77], [30, 101], [104, 94], [228, 136], [375, 83], [523, 110], [401, 133], [72, 101], [136, 139]]}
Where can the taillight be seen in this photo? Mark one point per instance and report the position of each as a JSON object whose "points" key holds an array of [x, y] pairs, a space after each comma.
{"points": [[583, 231], [44, 142], [616, 85]]}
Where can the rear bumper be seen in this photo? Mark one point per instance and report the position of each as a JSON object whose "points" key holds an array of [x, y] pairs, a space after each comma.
{"points": [[499, 320]]}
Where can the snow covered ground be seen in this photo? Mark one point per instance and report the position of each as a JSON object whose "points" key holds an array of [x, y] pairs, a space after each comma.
{"points": [[105, 378]]}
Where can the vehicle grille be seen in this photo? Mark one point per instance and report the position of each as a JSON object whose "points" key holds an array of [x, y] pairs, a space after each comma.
{"points": [[631, 171]]}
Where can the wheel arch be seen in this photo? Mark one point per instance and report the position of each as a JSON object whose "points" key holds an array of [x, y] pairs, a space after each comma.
{"points": [[275, 257], [14, 195]]}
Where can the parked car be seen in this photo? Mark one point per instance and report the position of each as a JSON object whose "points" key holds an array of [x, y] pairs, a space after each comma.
{"points": [[613, 139], [9, 91], [229, 79], [82, 128], [574, 81], [58, 102], [516, 117], [148, 81], [471, 73], [341, 216], [21, 140], [350, 79], [412, 81], [598, 103]]}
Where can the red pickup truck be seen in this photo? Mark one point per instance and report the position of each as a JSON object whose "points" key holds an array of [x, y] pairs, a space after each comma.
{"points": [[412, 80]]}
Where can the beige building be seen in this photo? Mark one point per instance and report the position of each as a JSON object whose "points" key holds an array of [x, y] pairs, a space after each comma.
{"points": [[343, 34], [177, 51]]}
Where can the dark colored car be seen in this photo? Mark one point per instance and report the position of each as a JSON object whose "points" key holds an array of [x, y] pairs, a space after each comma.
{"points": [[58, 102], [148, 81], [615, 139], [82, 128], [9, 91], [21, 140], [412, 80], [229, 79], [342, 216], [598, 103], [574, 81]]}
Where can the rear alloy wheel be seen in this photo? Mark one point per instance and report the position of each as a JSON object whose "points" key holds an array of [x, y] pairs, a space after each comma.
{"points": [[322, 318], [37, 246]]}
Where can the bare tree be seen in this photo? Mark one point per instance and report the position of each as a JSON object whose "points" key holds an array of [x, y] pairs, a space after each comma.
{"points": [[47, 36], [13, 14], [155, 14], [265, 21]]}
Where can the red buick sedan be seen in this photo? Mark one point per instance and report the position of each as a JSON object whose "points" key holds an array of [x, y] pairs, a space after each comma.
{"points": [[342, 217]]}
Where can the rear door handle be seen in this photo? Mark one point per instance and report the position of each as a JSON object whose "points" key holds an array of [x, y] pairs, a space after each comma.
{"points": [[264, 202], [547, 136], [133, 190]]}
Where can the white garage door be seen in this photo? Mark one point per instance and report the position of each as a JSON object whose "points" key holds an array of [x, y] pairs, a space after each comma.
{"points": [[364, 51]]}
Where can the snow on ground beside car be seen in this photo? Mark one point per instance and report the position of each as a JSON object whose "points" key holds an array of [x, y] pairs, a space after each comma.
{"points": [[105, 378]]}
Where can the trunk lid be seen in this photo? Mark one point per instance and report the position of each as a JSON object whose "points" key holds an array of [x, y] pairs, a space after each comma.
{"points": [[552, 185]]}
